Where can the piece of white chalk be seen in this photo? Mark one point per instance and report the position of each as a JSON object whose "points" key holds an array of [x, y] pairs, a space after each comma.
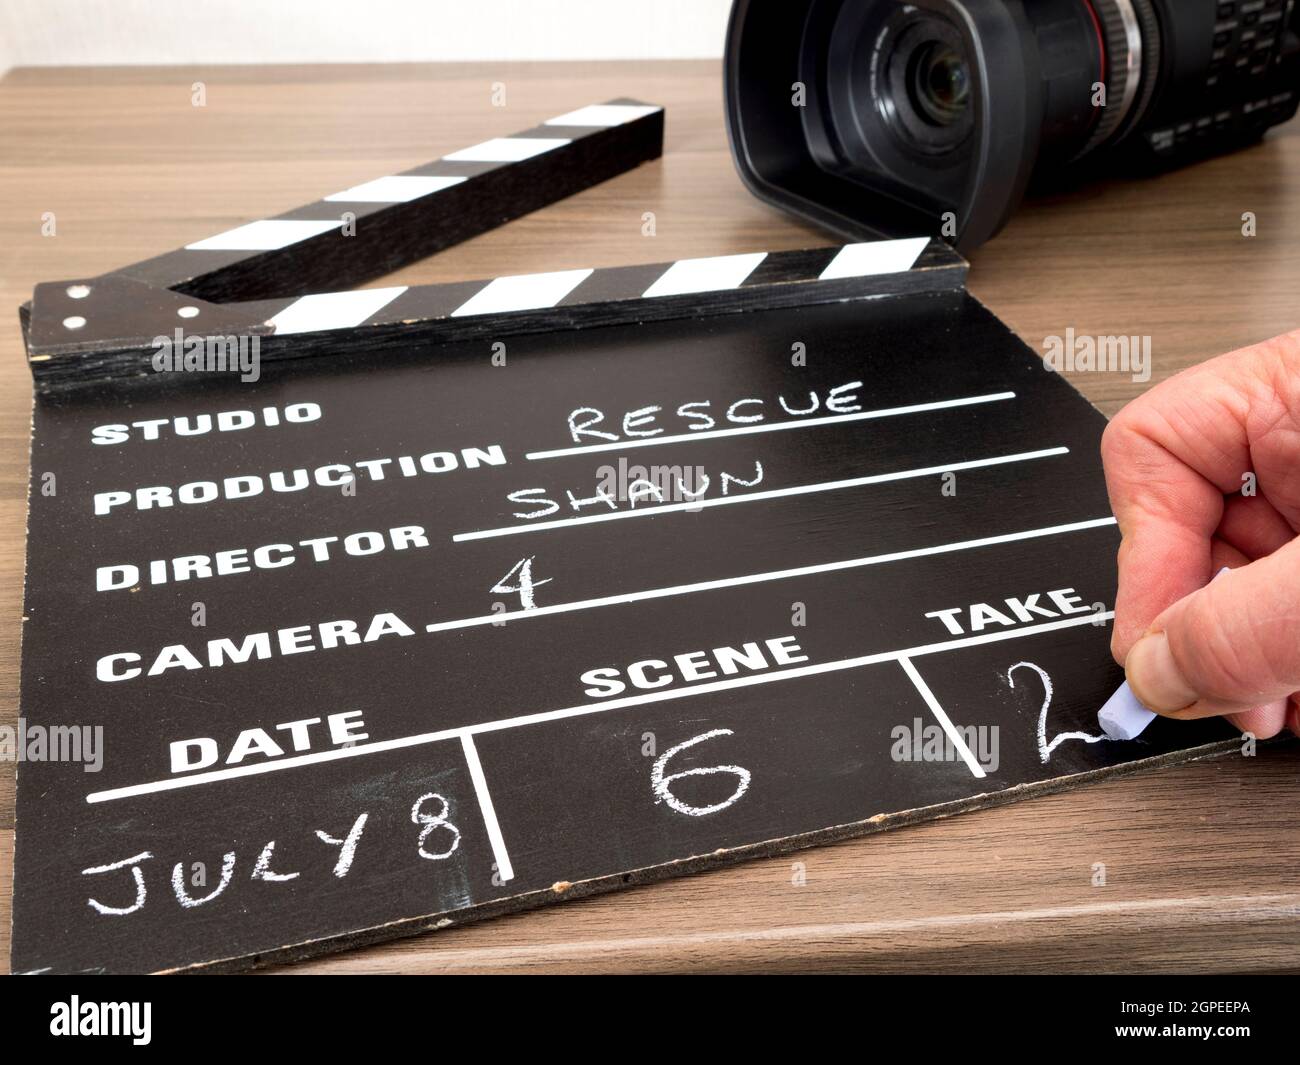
{"points": [[1123, 717]]}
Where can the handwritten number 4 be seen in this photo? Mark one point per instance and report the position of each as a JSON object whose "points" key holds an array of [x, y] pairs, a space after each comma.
{"points": [[525, 585]]}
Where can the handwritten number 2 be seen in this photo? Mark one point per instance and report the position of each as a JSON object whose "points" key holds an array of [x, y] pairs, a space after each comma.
{"points": [[1046, 748]]}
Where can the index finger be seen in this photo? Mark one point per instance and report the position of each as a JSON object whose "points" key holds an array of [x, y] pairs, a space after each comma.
{"points": [[1171, 457]]}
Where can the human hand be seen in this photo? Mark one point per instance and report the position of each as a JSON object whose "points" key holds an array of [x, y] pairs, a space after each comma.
{"points": [[1177, 461]]}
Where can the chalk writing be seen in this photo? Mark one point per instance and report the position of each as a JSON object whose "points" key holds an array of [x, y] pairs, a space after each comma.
{"points": [[663, 784]]}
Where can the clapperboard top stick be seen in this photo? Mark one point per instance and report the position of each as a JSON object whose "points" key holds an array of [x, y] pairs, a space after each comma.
{"points": [[97, 329], [80, 329]]}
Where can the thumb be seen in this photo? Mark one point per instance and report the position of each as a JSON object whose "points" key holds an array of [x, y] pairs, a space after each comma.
{"points": [[1230, 647]]}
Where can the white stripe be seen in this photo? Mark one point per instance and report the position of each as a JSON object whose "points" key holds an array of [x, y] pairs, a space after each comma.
{"points": [[505, 870], [772, 427], [333, 310], [942, 717], [754, 497], [396, 188], [876, 257], [268, 234], [761, 578], [704, 275], [583, 709], [603, 115], [507, 149], [522, 292]]}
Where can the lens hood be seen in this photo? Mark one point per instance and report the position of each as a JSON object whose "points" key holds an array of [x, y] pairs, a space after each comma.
{"points": [[808, 118]]}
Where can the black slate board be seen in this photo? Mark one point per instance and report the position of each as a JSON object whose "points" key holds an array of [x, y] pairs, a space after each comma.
{"points": [[402, 694], [554, 792]]}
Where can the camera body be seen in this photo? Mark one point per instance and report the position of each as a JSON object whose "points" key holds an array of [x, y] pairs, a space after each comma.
{"points": [[904, 117]]}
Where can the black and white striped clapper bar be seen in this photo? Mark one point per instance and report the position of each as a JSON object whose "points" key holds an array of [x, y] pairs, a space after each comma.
{"points": [[95, 329], [472, 597]]}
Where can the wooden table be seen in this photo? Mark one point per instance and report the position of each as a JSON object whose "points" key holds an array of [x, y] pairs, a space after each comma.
{"points": [[1202, 863]]}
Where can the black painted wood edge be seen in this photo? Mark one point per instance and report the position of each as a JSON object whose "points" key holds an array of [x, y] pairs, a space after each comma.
{"points": [[124, 317]]}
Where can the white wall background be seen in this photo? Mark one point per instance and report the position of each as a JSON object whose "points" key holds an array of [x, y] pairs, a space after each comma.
{"points": [[66, 32]]}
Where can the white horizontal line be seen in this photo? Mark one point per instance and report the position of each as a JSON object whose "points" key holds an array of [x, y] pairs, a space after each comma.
{"points": [[582, 709], [770, 575], [754, 497], [772, 427]]}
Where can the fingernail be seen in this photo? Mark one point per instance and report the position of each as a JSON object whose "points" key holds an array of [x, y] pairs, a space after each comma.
{"points": [[1155, 677]]}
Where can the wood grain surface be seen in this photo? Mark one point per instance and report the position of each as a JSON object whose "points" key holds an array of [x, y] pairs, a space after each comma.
{"points": [[1199, 861]]}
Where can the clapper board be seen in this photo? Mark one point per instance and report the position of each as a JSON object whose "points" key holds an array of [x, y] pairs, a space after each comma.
{"points": [[472, 597]]}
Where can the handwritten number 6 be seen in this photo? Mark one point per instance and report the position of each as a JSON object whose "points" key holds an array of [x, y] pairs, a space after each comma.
{"points": [[662, 784]]}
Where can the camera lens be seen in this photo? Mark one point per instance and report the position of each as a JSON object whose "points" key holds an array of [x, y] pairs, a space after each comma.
{"points": [[924, 83], [925, 116], [939, 85]]}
